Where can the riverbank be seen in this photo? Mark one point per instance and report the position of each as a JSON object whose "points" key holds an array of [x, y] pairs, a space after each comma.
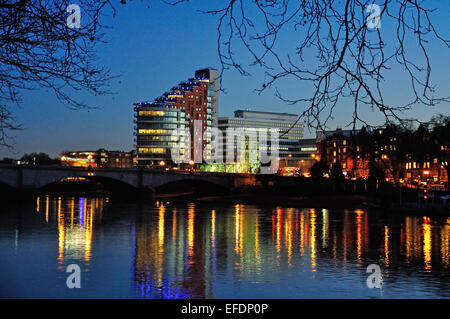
{"points": [[338, 202], [328, 202]]}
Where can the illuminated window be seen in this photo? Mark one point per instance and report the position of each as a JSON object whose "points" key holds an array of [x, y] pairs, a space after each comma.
{"points": [[149, 113], [154, 150], [150, 131]]}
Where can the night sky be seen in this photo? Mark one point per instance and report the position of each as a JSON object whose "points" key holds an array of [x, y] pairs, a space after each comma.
{"points": [[157, 47]]}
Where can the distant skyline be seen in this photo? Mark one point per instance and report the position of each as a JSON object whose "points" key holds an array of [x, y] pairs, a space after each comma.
{"points": [[157, 47]]}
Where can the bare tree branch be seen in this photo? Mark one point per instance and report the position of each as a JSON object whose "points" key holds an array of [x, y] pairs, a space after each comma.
{"points": [[336, 52], [39, 50]]}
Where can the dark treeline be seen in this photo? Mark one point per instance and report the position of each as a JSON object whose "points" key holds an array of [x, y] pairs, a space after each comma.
{"points": [[33, 159]]}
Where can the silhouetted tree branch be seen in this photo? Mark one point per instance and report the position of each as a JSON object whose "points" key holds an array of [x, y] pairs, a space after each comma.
{"points": [[335, 52], [39, 50]]}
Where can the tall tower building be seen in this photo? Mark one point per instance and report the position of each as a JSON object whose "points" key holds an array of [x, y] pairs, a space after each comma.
{"points": [[192, 105], [213, 90]]}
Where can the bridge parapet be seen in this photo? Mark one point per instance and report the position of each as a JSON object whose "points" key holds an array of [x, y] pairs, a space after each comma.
{"points": [[37, 176]]}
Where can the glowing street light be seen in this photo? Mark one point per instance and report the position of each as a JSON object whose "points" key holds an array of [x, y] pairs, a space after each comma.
{"points": [[162, 163]]}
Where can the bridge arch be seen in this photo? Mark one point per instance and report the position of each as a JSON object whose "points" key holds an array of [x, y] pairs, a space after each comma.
{"points": [[90, 183], [194, 185]]}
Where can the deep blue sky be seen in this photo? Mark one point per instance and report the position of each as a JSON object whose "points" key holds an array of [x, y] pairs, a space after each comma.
{"points": [[157, 47]]}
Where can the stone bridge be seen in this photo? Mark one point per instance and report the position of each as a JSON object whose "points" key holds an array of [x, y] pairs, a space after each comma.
{"points": [[36, 176]]}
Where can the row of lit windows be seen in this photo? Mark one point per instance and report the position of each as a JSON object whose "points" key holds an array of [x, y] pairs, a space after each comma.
{"points": [[271, 124], [158, 119], [152, 131], [161, 143], [156, 126], [166, 138], [258, 129], [339, 150], [344, 142], [152, 150], [157, 113], [411, 165]]}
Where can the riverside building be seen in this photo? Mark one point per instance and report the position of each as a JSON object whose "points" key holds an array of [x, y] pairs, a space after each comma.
{"points": [[252, 125], [194, 101]]}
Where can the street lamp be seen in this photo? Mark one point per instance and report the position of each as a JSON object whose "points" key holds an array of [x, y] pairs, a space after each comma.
{"points": [[289, 156], [162, 163]]}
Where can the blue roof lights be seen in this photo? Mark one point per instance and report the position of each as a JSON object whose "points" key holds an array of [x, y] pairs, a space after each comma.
{"points": [[182, 86]]}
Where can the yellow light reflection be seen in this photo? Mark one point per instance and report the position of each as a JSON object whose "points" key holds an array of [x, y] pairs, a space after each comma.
{"points": [[161, 212], [302, 240], [445, 253], [386, 246], [313, 239], [278, 231], [61, 233], [174, 225], [237, 229], [288, 234], [325, 224], [426, 229], [359, 214], [88, 232], [46, 208], [191, 213]]}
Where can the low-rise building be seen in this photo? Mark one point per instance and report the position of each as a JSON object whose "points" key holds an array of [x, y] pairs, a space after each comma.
{"points": [[268, 133], [98, 158]]}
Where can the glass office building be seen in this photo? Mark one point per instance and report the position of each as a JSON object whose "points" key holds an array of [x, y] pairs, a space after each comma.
{"points": [[192, 102], [253, 124]]}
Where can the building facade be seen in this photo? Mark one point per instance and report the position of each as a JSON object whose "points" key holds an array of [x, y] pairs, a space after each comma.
{"points": [[189, 107], [279, 130], [98, 158], [341, 147], [308, 155]]}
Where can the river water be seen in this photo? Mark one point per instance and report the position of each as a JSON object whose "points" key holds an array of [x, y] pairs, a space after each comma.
{"points": [[210, 250]]}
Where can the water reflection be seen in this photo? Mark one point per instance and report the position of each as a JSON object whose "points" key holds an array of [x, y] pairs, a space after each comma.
{"points": [[74, 218], [189, 250], [251, 246]]}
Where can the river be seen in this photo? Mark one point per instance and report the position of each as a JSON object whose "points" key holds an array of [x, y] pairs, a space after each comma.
{"points": [[170, 249]]}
